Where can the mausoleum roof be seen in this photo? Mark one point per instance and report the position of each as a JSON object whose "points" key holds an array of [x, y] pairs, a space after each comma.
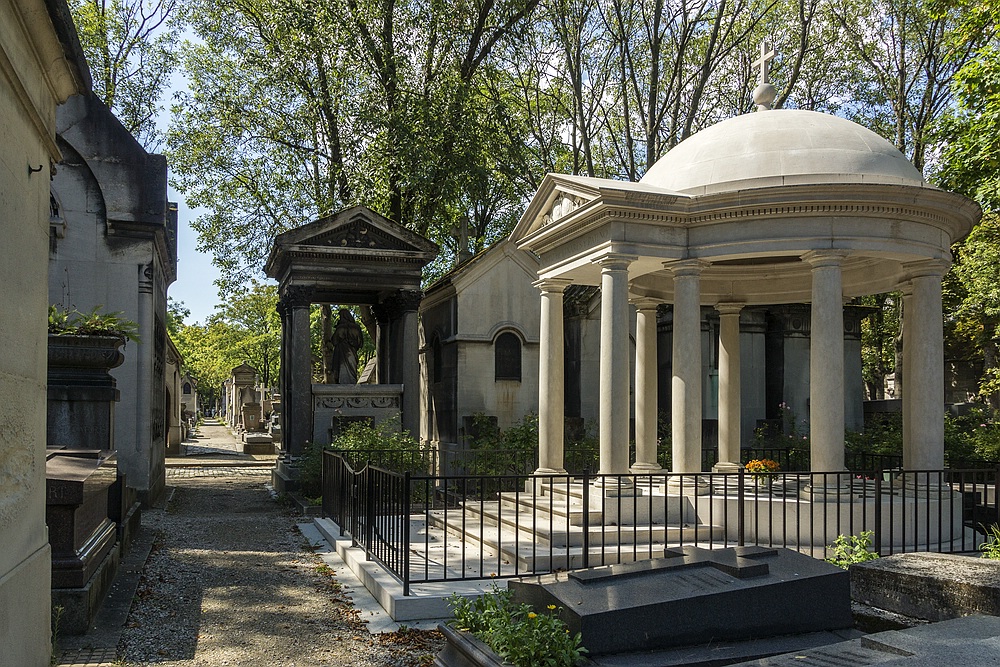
{"points": [[780, 147]]}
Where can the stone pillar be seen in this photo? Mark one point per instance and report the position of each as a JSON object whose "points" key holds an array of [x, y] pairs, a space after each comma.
{"points": [[283, 314], [298, 405], [826, 366], [551, 387], [409, 302], [902, 375], [614, 381], [645, 387], [685, 405], [923, 350], [381, 314], [730, 388]]}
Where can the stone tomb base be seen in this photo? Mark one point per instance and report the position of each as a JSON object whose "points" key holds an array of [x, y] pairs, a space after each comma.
{"points": [[257, 444], [928, 586], [694, 596]]}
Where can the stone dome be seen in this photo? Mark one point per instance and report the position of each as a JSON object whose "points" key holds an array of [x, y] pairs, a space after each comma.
{"points": [[780, 147]]}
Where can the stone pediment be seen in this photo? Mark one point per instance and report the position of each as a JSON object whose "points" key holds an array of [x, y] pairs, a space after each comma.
{"points": [[357, 229]]}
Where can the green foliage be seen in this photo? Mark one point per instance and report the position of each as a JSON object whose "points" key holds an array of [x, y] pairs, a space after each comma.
{"points": [[130, 47], [244, 329], [311, 470], [516, 633], [364, 436], [991, 547], [497, 451], [65, 322], [882, 434], [850, 549]]}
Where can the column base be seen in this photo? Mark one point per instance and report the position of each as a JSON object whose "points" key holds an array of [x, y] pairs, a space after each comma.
{"points": [[820, 493], [688, 485], [727, 466], [615, 486], [549, 472], [922, 485], [646, 468]]}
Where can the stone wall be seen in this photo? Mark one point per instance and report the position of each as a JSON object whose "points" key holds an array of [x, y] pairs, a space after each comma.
{"points": [[35, 75]]}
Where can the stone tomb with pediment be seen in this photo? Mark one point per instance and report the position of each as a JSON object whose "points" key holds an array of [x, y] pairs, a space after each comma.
{"points": [[355, 257]]}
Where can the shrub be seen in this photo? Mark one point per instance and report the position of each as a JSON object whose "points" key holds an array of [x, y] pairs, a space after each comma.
{"points": [[517, 633], [850, 549], [991, 547]]}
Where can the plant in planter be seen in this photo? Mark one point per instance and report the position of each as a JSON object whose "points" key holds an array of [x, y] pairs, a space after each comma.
{"points": [[65, 322], [513, 635]]}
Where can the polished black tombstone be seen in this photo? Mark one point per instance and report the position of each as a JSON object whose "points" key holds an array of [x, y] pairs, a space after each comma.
{"points": [[694, 596]]}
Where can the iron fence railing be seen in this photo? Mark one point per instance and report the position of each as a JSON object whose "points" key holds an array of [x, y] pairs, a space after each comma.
{"points": [[426, 527]]}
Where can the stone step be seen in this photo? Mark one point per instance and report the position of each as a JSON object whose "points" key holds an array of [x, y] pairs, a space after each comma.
{"points": [[549, 505]]}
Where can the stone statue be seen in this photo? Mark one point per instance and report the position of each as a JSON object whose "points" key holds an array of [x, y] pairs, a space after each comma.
{"points": [[347, 340]]}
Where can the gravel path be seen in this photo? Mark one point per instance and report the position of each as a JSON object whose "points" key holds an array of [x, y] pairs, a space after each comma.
{"points": [[231, 581]]}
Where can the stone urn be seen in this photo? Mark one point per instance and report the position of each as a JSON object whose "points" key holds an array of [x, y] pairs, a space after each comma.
{"points": [[81, 391]]}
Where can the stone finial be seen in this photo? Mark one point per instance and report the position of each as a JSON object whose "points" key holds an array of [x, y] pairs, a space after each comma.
{"points": [[764, 93]]}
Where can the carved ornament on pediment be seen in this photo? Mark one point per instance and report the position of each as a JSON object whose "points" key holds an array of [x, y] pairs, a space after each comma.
{"points": [[359, 234], [563, 206]]}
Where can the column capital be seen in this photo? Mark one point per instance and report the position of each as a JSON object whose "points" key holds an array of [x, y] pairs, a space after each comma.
{"points": [[298, 296], [614, 261], [644, 303], [824, 258], [552, 285], [926, 268], [730, 307], [686, 267]]}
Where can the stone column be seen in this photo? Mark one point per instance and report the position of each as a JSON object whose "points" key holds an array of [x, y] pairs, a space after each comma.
{"points": [[923, 349], [382, 354], [551, 405], [730, 390], [298, 406], [645, 387], [283, 315], [409, 302], [902, 375], [685, 406], [614, 381], [826, 367]]}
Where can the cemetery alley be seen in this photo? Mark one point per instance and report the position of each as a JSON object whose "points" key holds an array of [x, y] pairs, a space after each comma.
{"points": [[228, 579]]}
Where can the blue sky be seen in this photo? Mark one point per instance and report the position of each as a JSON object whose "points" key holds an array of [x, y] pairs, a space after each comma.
{"points": [[195, 273]]}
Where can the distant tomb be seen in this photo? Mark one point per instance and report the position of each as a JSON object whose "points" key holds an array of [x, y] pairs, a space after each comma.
{"points": [[693, 596]]}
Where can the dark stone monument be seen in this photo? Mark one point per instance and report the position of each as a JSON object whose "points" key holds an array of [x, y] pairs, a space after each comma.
{"points": [[82, 535], [694, 596]]}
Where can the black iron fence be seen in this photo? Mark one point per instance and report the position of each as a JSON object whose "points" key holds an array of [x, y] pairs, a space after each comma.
{"points": [[425, 527]]}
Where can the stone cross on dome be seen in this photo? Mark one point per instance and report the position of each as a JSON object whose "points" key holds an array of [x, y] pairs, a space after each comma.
{"points": [[764, 93]]}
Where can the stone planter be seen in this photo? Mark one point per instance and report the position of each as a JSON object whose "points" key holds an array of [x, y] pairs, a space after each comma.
{"points": [[464, 650], [85, 353], [81, 391]]}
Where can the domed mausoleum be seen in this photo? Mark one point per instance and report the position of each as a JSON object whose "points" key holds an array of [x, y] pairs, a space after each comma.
{"points": [[774, 207]]}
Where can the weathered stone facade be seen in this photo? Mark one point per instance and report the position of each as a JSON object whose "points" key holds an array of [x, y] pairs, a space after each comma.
{"points": [[41, 65]]}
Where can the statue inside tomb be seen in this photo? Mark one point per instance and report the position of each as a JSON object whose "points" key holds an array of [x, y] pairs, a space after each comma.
{"points": [[347, 340]]}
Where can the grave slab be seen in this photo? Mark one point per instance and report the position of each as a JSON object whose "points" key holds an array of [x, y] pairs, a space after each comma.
{"points": [[694, 596], [972, 640], [929, 586]]}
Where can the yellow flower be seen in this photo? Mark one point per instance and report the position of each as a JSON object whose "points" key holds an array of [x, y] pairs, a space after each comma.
{"points": [[551, 606], [532, 614]]}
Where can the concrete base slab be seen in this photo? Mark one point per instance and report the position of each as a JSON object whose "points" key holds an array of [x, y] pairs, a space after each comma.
{"points": [[973, 640]]}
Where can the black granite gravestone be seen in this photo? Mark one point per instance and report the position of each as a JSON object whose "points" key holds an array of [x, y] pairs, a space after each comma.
{"points": [[693, 596]]}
